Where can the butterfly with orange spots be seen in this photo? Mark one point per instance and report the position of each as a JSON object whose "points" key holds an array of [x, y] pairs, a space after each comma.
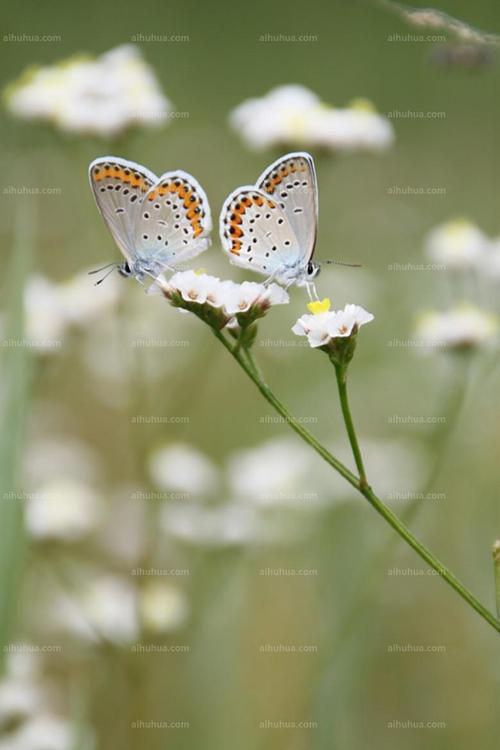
{"points": [[270, 227], [158, 223]]}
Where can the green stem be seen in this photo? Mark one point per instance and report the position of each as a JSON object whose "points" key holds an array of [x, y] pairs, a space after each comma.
{"points": [[341, 373], [365, 490], [496, 573]]}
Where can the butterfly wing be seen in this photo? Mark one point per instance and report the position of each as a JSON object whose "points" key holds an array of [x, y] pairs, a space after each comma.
{"points": [[291, 181], [255, 232], [173, 221], [119, 188]]}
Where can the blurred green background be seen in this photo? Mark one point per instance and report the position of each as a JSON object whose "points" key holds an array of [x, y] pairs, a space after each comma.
{"points": [[348, 684]]}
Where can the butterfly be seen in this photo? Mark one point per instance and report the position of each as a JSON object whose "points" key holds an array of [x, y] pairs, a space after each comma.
{"points": [[271, 227], [157, 222]]}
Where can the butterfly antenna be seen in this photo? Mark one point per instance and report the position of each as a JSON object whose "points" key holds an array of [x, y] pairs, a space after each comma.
{"points": [[103, 268], [340, 263], [114, 267]]}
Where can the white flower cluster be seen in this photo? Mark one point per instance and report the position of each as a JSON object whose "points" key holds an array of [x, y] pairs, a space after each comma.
{"points": [[228, 297], [294, 116], [324, 325], [461, 327], [101, 96], [53, 308], [462, 247], [458, 245]]}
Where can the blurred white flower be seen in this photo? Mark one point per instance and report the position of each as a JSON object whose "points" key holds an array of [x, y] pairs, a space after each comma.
{"points": [[457, 244], [162, 607], [279, 471], [19, 699], [52, 308], [78, 303], [45, 319], [183, 468], [45, 457], [62, 509], [44, 732], [101, 96], [323, 326], [490, 261], [221, 525], [294, 116], [104, 607], [461, 327]]}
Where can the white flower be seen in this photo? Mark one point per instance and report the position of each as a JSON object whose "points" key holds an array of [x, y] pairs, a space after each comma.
{"points": [[18, 700], [64, 509], [240, 298], [490, 261], [457, 244], [163, 608], [52, 308], [227, 296], [46, 455], [461, 327], [45, 318], [182, 468], [222, 525], [192, 286], [79, 305], [101, 96], [104, 607], [294, 115], [323, 326], [280, 471], [44, 732]]}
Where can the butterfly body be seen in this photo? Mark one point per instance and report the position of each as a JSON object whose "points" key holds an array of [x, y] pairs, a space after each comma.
{"points": [[157, 222], [270, 227]]}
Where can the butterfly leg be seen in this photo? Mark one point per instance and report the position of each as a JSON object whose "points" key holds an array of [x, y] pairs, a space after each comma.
{"points": [[311, 291]]}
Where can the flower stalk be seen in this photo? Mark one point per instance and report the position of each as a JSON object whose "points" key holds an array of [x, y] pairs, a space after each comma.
{"points": [[362, 486], [341, 375]]}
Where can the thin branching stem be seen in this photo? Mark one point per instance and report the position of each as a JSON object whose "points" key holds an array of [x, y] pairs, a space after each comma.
{"points": [[380, 507]]}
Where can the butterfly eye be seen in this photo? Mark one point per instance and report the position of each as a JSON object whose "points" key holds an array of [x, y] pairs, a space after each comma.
{"points": [[310, 269]]}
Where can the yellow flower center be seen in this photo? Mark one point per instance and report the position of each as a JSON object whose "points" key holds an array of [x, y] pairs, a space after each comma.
{"points": [[319, 306]]}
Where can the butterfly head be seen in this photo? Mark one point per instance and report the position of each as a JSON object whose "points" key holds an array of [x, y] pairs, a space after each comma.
{"points": [[125, 270], [312, 270]]}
